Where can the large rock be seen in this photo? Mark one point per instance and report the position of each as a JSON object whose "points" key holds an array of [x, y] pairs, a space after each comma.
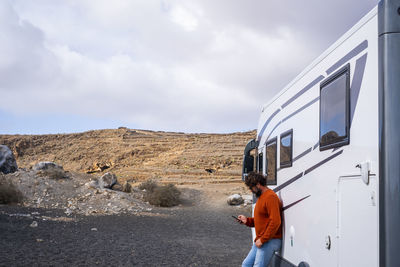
{"points": [[107, 180], [235, 199], [45, 165], [7, 160]]}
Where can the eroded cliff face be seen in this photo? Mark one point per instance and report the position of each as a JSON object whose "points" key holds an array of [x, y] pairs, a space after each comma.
{"points": [[137, 154]]}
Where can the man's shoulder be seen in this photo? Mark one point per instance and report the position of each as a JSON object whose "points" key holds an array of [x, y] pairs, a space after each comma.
{"points": [[271, 195], [271, 192]]}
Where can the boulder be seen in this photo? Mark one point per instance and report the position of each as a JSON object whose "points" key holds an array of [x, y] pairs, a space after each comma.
{"points": [[45, 165], [7, 160], [235, 199], [107, 180]]}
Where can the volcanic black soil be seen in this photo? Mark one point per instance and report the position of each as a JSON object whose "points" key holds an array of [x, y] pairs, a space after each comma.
{"points": [[194, 234]]}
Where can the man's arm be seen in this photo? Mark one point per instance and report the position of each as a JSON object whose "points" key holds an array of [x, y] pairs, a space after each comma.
{"points": [[249, 221], [274, 211]]}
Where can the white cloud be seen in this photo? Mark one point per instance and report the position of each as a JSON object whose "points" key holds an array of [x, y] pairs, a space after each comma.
{"points": [[24, 59], [184, 18], [169, 65]]}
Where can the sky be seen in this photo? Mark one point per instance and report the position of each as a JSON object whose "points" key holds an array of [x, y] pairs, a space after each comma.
{"points": [[165, 65]]}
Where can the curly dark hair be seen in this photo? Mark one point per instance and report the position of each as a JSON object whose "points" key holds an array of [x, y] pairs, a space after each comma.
{"points": [[254, 178]]}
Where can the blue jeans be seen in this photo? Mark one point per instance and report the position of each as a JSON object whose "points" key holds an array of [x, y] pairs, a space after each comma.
{"points": [[260, 257]]}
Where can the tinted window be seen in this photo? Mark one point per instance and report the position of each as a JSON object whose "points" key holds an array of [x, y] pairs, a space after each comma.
{"points": [[286, 149], [334, 110], [248, 162], [271, 162], [260, 163]]}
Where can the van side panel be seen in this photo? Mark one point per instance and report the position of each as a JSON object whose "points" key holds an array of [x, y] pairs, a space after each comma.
{"points": [[317, 189]]}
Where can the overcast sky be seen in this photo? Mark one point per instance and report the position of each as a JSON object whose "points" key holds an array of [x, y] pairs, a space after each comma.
{"points": [[190, 66]]}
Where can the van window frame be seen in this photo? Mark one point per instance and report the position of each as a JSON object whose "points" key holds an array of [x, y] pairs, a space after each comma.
{"points": [[273, 140], [290, 162], [338, 142]]}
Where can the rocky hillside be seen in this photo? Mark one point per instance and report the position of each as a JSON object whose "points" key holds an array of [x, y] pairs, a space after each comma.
{"points": [[136, 155]]}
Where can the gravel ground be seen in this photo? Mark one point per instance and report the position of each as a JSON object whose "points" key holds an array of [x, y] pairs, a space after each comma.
{"points": [[190, 235]]}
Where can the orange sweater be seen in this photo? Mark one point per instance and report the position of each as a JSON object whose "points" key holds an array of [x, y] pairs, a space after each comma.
{"points": [[267, 217]]}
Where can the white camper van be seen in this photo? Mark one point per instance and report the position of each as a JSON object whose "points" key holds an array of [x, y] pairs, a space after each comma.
{"points": [[329, 146]]}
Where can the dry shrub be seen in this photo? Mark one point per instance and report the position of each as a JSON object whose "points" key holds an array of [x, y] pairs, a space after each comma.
{"points": [[8, 192], [53, 173], [148, 185], [164, 196], [127, 187]]}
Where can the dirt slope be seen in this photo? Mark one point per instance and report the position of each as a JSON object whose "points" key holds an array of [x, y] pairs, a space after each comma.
{"points": [[136, 155]]}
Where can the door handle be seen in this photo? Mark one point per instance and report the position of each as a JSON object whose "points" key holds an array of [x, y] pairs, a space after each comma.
{"points": [[364, 171]]}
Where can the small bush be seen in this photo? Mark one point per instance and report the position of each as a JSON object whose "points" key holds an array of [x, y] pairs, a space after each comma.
{"points": [[8, 192], [149, 185], [127, 187], [164, 196], [53, 173]]}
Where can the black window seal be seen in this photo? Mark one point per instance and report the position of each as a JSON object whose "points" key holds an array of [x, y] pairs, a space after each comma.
{"points": [[290, 163], [260, 156], [345, 140], [273, 140]]}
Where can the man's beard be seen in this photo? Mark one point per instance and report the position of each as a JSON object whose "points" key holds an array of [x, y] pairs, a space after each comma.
{"points": [[258, 192]]}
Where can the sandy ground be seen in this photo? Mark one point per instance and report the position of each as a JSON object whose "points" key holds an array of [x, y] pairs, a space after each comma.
{"points": [[200, 232]]}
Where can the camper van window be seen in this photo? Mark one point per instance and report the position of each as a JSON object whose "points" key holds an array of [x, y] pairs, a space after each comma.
{"points": [[334, 110], [260, 163], [286, 149], [271, 162]]}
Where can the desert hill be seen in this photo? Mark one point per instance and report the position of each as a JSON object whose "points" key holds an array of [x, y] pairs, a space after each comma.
{"points": [[136, 155]]}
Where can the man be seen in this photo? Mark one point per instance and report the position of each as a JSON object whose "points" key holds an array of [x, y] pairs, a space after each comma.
{"points": [[267, 221]]}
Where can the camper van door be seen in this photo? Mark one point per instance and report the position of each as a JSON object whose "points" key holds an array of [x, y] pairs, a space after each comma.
{"points": [[357, 221]]}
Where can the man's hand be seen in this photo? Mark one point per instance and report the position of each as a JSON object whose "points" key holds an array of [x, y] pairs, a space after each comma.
{"points": [[258, 243], [243, 219]]}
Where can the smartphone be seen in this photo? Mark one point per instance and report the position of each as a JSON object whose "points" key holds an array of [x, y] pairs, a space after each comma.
{"points": [[236, 218]]}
